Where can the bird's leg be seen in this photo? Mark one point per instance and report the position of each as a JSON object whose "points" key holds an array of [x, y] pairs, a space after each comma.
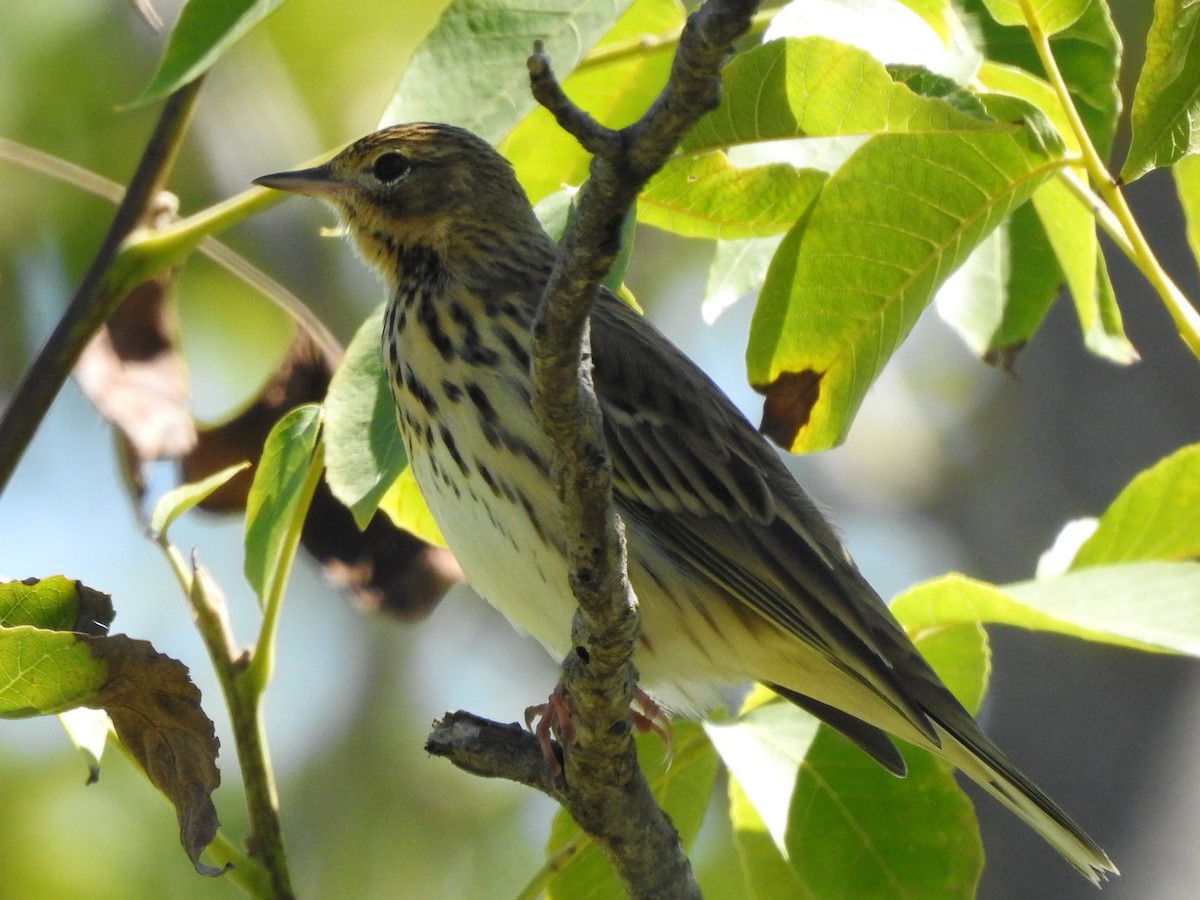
{"points": [[654, 718], [553, 720]]}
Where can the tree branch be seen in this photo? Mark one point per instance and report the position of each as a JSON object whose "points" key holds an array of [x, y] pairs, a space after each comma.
{"points": [[604, 790]]}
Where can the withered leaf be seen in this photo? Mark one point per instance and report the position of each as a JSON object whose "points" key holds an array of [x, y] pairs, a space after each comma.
{"points": [[155, 710], [790, 401]]}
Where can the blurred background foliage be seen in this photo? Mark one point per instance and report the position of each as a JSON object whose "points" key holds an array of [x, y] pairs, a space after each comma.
{"points": [[951, 465]]}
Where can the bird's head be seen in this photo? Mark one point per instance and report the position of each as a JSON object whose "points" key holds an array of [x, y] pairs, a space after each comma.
{"points": [[417, 185]]}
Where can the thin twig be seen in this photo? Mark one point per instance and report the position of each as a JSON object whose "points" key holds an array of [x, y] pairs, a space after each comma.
{"points": [[93, 304]]}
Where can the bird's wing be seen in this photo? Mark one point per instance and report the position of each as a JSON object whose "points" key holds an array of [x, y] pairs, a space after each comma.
{"points": [[737, 517]]}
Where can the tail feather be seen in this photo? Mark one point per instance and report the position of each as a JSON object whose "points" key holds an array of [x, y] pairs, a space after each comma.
{"points": [[984, 764]]}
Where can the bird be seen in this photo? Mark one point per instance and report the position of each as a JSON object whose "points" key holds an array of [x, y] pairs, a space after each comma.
{"points": [[738, 575]]}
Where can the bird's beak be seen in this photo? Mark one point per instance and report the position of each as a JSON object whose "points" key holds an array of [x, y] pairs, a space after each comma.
{"points": [[315, 182]]}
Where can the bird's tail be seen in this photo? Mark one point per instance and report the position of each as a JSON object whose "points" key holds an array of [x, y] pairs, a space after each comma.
{"points": [[984, 764]]}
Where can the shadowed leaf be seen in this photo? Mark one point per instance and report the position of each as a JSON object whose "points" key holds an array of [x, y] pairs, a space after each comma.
{"points": [[470, 71], [205, 30]]}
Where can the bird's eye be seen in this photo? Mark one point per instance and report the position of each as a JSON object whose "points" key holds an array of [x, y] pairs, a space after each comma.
{"points": [[391, 166]]}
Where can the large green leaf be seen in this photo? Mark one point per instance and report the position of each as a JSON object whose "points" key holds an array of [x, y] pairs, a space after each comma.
{"points": [[1153, 518], [470, 71], [205, 30], [708, 196], [1166, 102], [616, 84], [848, 828], [810, 87], [858, 831], [287, 475], [43, 671], [682, 791], [850, 280], [364, 454], [1148, 606]]}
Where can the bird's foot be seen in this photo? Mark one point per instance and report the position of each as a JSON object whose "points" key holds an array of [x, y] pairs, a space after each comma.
{"points": [[653, 718], [553, 721]]}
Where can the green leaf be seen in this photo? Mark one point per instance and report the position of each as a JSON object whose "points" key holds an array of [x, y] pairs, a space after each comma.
{"points": [[284, 482], [858, 831], [848, 827], [1088, 54], [1147, 606], [682, 791], [56, 603], [765, 750], [174, 503], [708, 196], [765, 869], [1071, 230], [1186, 173], [1153, 518], [813, 87], [998, 297], [848, 282], [615, 83], [737, 268], [205, 30], [1166, 102], [405, 506], [471, 69], [44, 671], [1053, 15], [364, 453]]}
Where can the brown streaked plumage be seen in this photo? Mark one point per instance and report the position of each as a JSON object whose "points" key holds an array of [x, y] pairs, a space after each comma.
{"points": [[738, 575]]}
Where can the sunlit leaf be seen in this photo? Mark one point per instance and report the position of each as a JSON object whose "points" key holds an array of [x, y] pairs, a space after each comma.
{"points": [[1148, 606], [809, 87], [471, 69], [205, 30], [57, 603], [848, 283], [174, 503], [364, 454], [708, 196], [406, 507], [283, 485], [616, 84], [1154, 517], [1165, 118], [44, 671]]}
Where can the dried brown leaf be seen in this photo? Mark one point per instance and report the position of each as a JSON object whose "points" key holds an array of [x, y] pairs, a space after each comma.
{"points": [[155, 710]]}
